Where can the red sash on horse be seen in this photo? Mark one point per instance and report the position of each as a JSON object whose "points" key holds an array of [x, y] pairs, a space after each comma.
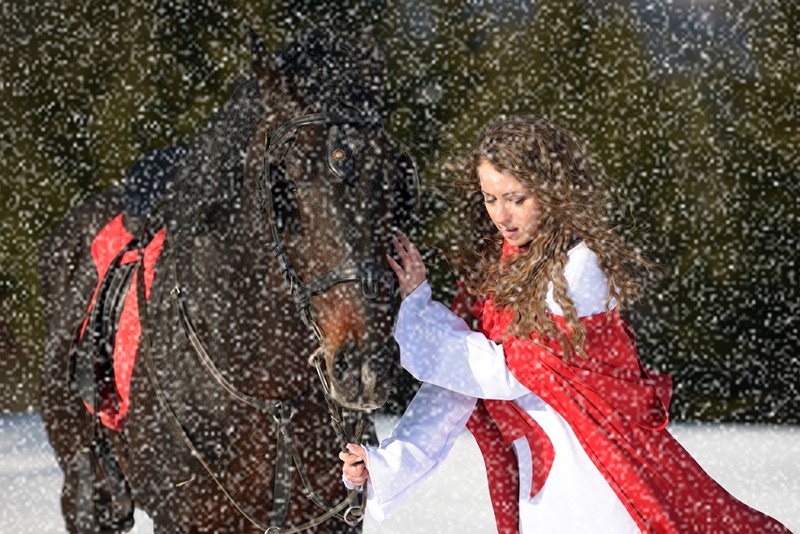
{"points": [[106, 246]]}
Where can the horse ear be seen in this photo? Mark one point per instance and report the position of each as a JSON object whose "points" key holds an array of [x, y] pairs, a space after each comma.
{"points": [[377, 61], [269, 76]]}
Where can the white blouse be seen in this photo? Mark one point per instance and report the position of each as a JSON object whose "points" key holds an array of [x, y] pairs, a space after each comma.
{"points": [[457, 366]]}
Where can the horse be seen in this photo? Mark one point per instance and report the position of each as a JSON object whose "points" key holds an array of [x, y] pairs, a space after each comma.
{"points": [[266, 317]]}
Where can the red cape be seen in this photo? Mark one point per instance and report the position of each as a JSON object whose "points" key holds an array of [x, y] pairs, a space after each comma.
{"points": [[618, 411]]}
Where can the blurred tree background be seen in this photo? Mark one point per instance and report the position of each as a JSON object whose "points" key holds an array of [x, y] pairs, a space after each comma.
{"points": [[691, 105]]}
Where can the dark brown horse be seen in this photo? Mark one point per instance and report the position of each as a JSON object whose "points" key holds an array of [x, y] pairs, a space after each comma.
{"points": [[294, 183]]}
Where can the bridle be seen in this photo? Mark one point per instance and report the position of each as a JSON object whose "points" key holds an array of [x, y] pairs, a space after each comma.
{"points": [[376, 280], [377, 283]]}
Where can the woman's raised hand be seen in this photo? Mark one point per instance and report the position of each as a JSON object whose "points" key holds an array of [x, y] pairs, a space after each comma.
{"points": [[355, 464], [410, 271]]}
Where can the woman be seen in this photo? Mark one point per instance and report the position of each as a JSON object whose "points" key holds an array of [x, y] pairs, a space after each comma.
{"points": [[571, 425]]}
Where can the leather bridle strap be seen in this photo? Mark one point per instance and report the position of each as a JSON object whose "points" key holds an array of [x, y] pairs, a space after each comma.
{"points": [[372, 279], [270, 407], [320, 119]]}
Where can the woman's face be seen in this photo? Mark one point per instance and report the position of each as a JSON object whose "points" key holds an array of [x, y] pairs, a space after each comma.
{"points": [[512, 208]]}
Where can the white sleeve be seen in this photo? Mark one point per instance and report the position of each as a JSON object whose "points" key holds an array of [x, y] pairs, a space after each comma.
{"points": [[418, 444], [587, 284], [438, 347]]}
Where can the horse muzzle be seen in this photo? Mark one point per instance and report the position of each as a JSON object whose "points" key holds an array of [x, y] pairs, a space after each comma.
{"points": [[360, 376]]}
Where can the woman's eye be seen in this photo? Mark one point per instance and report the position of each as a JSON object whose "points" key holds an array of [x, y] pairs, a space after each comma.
{"points": [[488, 200], [519, 201]]}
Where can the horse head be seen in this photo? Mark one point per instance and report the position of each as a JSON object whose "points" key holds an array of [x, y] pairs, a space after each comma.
{"points": [[332, 189]]}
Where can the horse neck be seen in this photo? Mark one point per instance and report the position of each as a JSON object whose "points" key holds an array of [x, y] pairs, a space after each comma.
{"points": [[248, 314]]}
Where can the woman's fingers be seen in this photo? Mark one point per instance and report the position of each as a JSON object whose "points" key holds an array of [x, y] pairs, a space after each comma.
{"points": [[354, 466], [401, 249], [357, 481], [412, 252], [351, 467], [357, 450], [404, 244], [407, 251], [405, 241], [398, 271], [410, 270]]}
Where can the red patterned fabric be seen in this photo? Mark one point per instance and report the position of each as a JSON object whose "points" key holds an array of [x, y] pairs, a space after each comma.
{"points": [[105, 247], [618, 411]]}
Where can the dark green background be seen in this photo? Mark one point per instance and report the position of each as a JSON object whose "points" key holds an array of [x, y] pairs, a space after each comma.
{"points": [[692, 107]]}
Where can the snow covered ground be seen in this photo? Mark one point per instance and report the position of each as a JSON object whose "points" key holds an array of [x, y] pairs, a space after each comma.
{"points": [[759, 464]]}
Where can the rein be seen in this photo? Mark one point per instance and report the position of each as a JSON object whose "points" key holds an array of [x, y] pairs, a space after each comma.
{"points": [[376, 282]]}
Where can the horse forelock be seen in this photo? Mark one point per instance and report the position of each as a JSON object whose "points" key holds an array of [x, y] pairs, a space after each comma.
{"points": [[329, 69]]}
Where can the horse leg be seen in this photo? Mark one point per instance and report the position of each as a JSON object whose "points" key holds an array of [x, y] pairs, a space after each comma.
{"points": [[67, 276], [67, 422]]}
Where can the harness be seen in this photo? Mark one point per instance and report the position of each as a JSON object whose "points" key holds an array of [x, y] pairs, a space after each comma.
{"points": [[101, 358], [377, 283]]}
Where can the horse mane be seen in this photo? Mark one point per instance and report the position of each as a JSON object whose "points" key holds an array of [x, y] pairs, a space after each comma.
{"points": [[212, 172], [324, 69]]}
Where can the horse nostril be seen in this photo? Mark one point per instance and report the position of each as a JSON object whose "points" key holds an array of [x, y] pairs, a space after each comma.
{"points": [[342, 361], [370, 288], [361, 373]]}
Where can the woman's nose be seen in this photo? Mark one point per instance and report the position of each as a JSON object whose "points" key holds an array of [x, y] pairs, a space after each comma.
{"points": [[502, 214]]}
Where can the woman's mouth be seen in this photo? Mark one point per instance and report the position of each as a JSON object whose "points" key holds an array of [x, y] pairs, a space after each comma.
{"points": [[509, 233]]}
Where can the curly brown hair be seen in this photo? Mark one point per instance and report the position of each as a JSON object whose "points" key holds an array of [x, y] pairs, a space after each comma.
{"points": [[575, 201]]}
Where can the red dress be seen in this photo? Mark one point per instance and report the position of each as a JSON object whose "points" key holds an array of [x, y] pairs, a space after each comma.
{"points": [[618, 411]]}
